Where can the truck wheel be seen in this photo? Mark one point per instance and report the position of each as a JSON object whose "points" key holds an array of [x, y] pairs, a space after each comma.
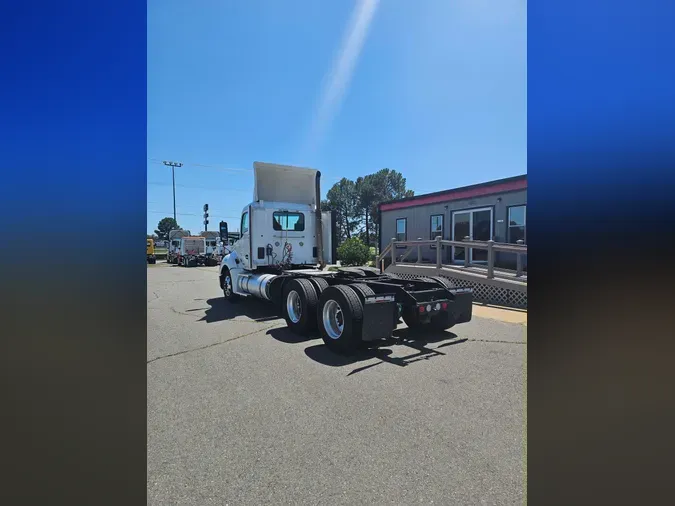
{"points": [[411, 318], [362, 290], [340, 318], [442, 321], [299, 307], [228, 290], [320, 285]]}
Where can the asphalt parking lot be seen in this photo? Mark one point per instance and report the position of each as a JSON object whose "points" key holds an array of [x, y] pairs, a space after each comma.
{"points": [[241, 411]]}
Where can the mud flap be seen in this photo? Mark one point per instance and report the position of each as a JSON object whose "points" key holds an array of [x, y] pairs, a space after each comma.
{"points": [[462, 307], [378, 317]]}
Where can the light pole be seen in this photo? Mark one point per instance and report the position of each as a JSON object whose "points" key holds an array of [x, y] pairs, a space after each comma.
{"points": [[173, 178]]}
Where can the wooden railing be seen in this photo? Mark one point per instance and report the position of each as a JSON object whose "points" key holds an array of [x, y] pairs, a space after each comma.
{"points": [[492, 247]]}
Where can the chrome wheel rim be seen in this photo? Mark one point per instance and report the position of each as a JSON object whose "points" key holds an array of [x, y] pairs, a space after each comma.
{"points": [[228, 286], [293, 306], [333, 319]]}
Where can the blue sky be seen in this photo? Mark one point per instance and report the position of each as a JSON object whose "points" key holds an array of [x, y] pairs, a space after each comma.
{"points": [[434, 89]]}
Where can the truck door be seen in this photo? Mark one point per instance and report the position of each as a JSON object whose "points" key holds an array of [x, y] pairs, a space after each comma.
{"points": [[244, 242]]}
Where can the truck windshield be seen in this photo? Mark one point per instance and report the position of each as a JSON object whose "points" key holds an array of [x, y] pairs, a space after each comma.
{"points": [[287, 221]]}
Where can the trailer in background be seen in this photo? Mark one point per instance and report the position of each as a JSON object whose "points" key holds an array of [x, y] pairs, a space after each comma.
{"points": [[186, 250]]}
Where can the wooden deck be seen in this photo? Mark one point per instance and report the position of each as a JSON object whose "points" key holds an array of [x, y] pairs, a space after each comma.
{"points": [[479, 270]]}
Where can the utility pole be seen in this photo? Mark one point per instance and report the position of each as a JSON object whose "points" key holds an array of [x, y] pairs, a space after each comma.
{"points": [[173, 165]]}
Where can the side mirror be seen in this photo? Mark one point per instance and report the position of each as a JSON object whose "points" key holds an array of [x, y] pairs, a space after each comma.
{"points": [[223, 232]]}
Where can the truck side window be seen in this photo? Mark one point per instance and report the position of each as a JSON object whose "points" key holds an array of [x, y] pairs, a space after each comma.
{"points": [[244, 223]]}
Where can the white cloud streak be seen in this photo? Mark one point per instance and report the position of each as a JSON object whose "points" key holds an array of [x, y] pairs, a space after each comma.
{"points": [[342, 70]]}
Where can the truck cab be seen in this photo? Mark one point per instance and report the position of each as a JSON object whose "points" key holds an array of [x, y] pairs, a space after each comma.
{"points": [[280, 229], [278, 234]]}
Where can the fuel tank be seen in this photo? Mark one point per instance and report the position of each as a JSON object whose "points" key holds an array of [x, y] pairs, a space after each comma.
{"points": [[256, 284]]}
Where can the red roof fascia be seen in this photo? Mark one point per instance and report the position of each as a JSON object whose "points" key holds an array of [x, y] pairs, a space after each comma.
{"points": [[481, 191]]}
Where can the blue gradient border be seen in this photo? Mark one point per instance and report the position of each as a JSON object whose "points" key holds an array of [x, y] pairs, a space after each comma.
{"points": [[72, 199], [601, 175], [601, 97]]}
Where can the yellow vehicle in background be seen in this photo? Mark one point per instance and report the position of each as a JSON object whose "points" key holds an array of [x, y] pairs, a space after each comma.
{"points": [[151, 251]]}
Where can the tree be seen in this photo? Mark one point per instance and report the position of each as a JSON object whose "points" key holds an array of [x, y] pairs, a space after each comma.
{"points": [[382, 186], [343, 199], [355, 203], [165, 226]]}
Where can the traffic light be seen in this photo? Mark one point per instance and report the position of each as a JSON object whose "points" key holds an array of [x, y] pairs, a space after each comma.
{"points": [[223, 232], [206, 217]]}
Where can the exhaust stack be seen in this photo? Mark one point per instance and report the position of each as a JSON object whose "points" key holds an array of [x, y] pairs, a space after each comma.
{"points": [[319, 224]]}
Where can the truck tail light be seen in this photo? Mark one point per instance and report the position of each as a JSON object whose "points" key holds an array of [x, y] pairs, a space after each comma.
{"points": [[444, 305], [421, 309]]}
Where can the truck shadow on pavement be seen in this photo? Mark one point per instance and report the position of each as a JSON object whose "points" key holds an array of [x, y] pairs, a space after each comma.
{"points": [[323, 355], [284, 335], [255, 310]]}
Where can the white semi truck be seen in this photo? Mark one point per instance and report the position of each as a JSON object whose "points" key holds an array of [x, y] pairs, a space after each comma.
{"points": [[212, 253], [185, 249], [286, 240]]}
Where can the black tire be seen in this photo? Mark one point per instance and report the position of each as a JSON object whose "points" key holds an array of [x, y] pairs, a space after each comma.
{"points": [[320, 284], [442, 321], [306, 300], [348, 339], [411, 318], [362, 290], [276, 292], [229, 295]]}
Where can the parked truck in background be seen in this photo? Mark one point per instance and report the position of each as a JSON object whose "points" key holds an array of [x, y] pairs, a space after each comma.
{"points": [[186, 250], [150, 251], [286, 240], [212, 251]]}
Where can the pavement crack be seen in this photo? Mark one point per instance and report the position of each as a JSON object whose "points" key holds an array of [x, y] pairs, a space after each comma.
{"points": [[497, 341], [208, 345]]}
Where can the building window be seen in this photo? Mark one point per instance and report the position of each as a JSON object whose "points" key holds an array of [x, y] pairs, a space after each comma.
{"points": [[288, 222], [244, 223], [402, 229], [436, 226], [517, 226]]}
